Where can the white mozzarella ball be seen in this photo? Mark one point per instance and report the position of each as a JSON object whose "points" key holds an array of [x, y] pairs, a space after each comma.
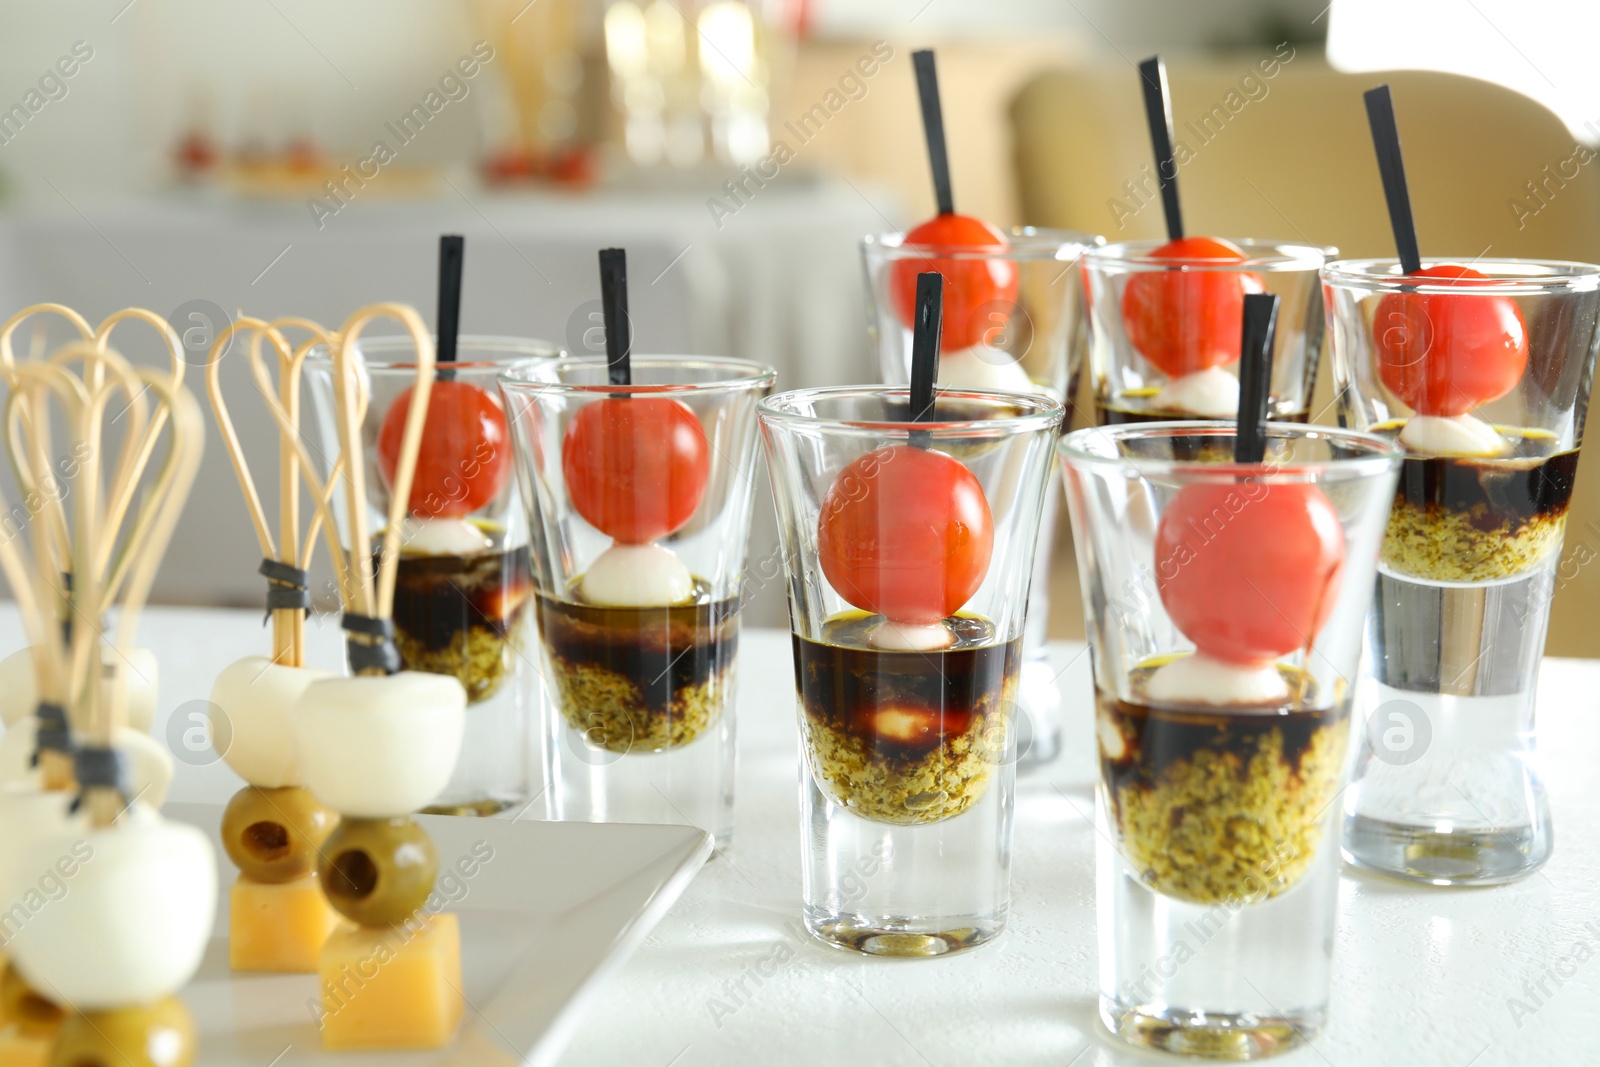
{"points": [[983, 367], [1209, 394], [637, 576], [28, 815], [910, 637], [1456, 435], [133, 920], [256, 696], [149, 764], [19, 696], [443, 537], [376, 747], [1202, 679]]}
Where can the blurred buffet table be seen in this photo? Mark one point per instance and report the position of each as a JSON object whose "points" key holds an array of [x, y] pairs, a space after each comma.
{"points": [[1452, 978], [775, 277]]}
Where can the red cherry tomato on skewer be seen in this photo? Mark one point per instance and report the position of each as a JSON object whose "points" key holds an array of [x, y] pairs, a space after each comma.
{"points": [[906, 533], [978, 293], [1188, 321], [636, 467], [465, 456], [1443, 353], [1249, 579]]}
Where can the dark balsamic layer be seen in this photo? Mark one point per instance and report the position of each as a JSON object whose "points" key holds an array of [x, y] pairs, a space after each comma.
{"points": [[846, 685], [660, 650]]}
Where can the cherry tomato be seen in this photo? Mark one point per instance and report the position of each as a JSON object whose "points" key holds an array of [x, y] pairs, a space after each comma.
{"points": [[1444, 354], [1187, 321], [906, 533], [465, 456], [636, 467], [1249, 572], [978, 293]]}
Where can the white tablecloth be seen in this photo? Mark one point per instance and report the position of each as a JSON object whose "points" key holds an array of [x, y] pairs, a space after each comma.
{"points": [[1423, 978]]}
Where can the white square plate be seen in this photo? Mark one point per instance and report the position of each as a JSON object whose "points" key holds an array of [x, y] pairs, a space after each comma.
{"points": [[554, 908]]}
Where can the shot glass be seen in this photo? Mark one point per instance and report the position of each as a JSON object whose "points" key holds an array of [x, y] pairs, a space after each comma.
{"points": [[1224, 605], [1485, 383], [1025, 332], [463, 582], [906, 716], [1164, 333], [639, 501]]}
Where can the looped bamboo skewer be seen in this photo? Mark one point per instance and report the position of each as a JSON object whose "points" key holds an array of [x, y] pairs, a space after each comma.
{"points": [[22, 419], [105, 558], [289, 547], [377, 600]]}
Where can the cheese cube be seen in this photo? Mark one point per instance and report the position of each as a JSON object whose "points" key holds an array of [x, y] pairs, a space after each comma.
{"points": [[392, 987], [24, 1050], [278, 927]]}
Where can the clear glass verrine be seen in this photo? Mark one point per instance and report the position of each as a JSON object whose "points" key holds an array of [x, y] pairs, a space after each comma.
{"points": [[1224, 604], [1481, 371], [907, 669]]}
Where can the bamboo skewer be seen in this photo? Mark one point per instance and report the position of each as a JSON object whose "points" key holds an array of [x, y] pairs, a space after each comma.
{"points": [[288, 624], [114, 546]]}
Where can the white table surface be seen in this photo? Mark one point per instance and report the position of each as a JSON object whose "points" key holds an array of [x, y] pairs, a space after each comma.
{"points": [[1423, 978]]}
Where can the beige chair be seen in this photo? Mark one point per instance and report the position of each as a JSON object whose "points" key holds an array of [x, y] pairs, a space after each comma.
{"points": [[1290, 157]]}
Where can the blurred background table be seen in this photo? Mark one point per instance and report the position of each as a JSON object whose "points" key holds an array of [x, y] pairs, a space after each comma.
{"points": [[779, 281]]}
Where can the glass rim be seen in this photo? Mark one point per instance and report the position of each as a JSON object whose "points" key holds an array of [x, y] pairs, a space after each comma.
{"points": [[1037, 412], [518, 349], [739, 374], [1380, 454], [1260, 255], [1040, 244], [1383, 275]]}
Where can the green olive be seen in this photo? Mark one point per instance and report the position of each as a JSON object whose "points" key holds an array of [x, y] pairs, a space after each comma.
{"points": [[155, 1035], [272, 835], [34, 1015], [378, 872]]}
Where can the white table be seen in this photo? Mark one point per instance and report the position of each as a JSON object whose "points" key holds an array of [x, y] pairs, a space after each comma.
{"points": [[1422, 978]]}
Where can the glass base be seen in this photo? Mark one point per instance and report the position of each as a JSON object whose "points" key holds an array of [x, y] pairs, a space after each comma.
{"points": [[904, 938], [1211, 1035], [1427, 855]]}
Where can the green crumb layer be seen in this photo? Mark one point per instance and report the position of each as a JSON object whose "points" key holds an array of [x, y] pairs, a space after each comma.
{"points": [[903, 791], [1448, 545], [608, 708], [1214, 828], [480, 657]]}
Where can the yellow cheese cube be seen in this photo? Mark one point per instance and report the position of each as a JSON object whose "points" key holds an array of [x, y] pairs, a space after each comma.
{"points": [[278, 927], [22, 1050], [392, 987]]}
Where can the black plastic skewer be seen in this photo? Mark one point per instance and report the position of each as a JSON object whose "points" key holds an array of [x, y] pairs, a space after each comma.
{"points": [[614, 306], [1386, 140], [925, 351], [933, 129], [452, 248], [1255, 376], [1158, 113]]}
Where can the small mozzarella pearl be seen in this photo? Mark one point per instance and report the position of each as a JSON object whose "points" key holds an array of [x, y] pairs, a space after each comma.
{"points": [[637, 576], [1201, 679], [910, 637], [982, 367], [443, 537], [1210, 394], [1458, 435]]}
